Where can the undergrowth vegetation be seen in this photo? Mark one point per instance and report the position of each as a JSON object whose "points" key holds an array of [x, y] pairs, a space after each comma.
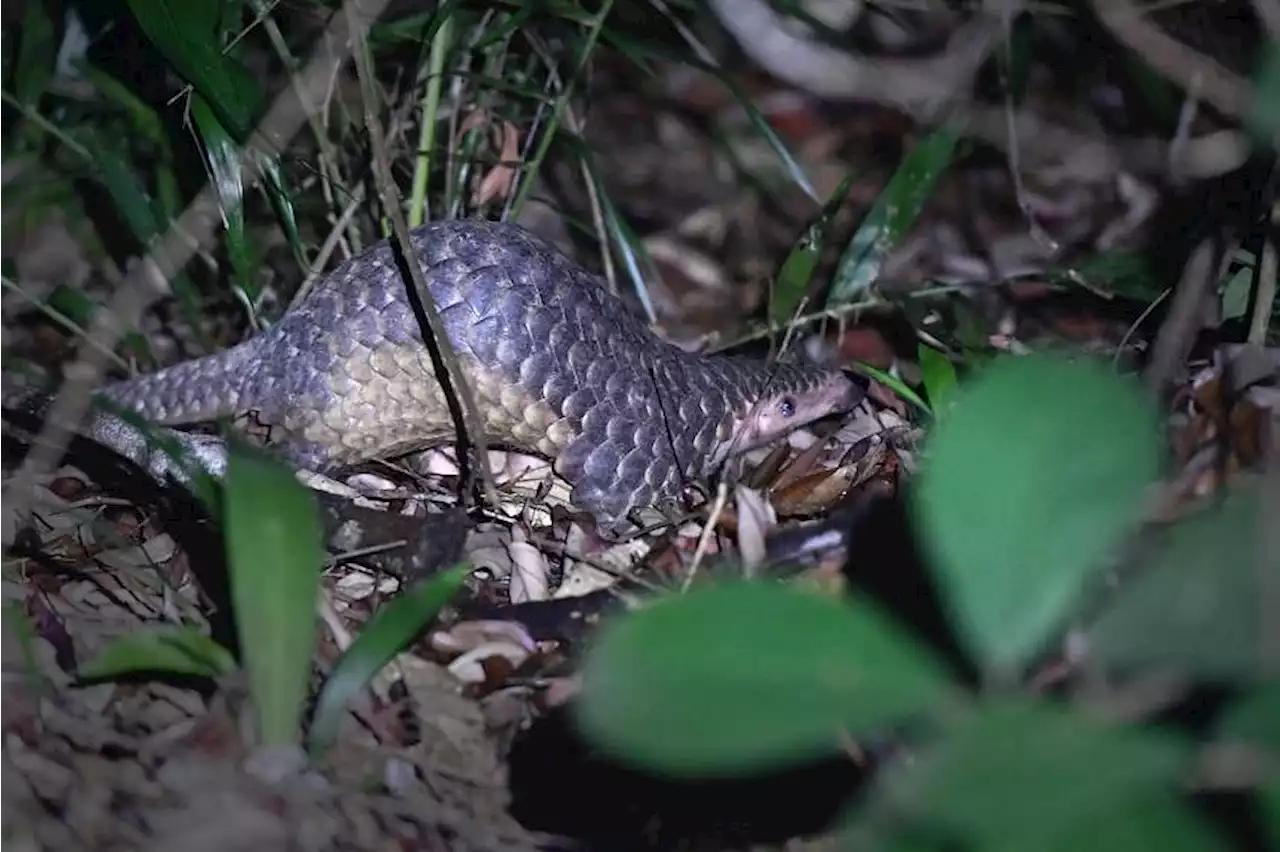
{"points": [[129, 122]]}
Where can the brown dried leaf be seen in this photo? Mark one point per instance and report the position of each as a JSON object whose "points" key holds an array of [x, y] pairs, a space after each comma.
{"points": [[499, 181]]}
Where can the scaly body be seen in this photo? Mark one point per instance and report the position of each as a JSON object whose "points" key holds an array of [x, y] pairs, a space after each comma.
{"points": [[559, 366]]}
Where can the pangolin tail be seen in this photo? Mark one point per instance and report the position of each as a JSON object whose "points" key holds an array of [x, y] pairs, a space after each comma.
{"points": [[193, 391]]}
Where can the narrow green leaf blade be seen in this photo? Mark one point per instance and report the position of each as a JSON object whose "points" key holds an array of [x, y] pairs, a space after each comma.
{"points": [[384, 636], [939, 376], [33, 66], [893, 214], [187, 35], [797, 270], [175, 649], [274, 554]]}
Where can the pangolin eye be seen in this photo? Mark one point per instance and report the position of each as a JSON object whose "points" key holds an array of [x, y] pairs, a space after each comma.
{"points": [[787, 407]]}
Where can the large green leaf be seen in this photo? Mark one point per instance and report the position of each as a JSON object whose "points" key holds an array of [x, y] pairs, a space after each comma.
{"points": [[1035, 474], [747, 676], [274, 553]]}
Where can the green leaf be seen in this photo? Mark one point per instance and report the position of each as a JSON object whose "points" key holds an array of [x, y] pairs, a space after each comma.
{"points": [[222, 159], [187, 35], [281, 197], [747, 676], [174, 649], [1193, 604], [127, 193], [893, 214], [1033, 477], [274, 554], [1269, 805], [1121, 271], [797, 270], [37, 52], [1264, 119], [894, 384], [384, 636], [1162, 823], [1016, 775], [142, 116], [1254, 718], [939, 376]]}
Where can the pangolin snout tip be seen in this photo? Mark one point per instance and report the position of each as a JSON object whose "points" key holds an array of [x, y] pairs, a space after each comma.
{"points": [[843, 392]]}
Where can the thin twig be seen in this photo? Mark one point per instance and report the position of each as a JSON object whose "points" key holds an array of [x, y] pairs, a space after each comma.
{"points": [[1178, 332]]}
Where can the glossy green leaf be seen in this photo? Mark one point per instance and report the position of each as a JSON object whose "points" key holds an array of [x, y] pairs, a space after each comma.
{"points": [[222, 161], [1193, 605], [747, 676], [385, 635], [274, 554], [180, 650], [187, 35], [796, 274], [939, 376], [281, 197], [893, 214], [1016, 775], [1162, 823], [894, 384], [1035, 474]]}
